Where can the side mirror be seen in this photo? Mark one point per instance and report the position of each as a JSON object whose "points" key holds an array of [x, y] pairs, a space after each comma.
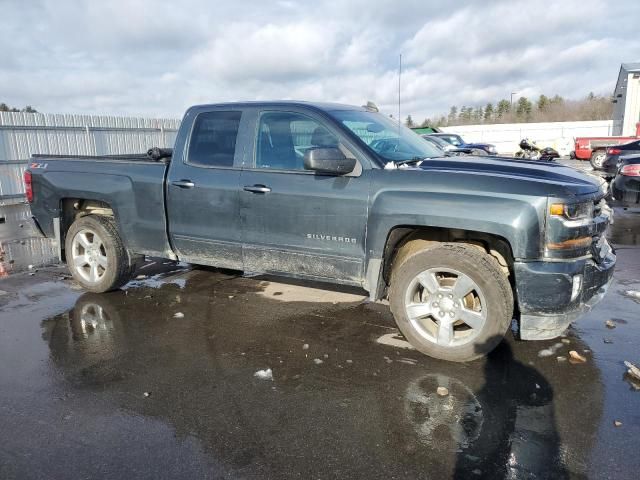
{"points": [[329, 160]]}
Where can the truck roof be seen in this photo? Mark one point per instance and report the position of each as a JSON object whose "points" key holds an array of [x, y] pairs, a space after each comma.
{"points": [[323, 106]]}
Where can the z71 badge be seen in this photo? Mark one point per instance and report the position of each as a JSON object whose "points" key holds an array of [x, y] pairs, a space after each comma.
{"points": [[38, 165]]}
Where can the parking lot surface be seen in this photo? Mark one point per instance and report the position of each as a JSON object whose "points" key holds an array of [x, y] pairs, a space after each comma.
{"points": [[203, 373]]}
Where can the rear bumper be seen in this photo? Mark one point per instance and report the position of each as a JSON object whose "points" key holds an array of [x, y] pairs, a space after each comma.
{"points": [[626, 190], [545, 289]]}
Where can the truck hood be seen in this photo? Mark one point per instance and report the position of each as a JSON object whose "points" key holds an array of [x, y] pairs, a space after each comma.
{"points": [[551, 178]]}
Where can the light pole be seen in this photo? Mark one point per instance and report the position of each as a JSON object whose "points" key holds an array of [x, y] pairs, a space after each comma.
{"points": [[512, 94]]}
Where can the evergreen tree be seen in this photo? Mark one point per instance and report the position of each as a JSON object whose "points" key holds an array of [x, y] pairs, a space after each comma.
{"points": [[504, 107], [409, 122], [465, 115], [543, 103], [477, 115], [557, 100], [488, 113], [453, 115], [523, 108], [6, 108]]}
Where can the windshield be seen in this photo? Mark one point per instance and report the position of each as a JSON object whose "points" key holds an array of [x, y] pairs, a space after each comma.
{"points": [[452, 139], [437, 141], [390, 141]]}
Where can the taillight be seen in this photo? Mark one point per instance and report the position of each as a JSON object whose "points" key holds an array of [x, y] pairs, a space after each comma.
{"points": [[28, 186], [630, 170], [614, 151]]}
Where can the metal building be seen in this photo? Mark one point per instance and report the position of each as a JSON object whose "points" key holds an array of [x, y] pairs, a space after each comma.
{"points": [[626, 99]]}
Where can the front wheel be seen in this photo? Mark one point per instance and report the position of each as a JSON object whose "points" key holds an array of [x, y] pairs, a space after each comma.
{"points": [[451, 301], [96, 255]]}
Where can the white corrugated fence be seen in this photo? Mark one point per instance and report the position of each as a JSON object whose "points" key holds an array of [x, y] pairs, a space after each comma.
{"points": [[559, 135], [23, 134]]}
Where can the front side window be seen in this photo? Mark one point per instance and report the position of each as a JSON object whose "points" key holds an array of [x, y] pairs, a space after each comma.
{"points": [[213, 141], [390, 141], [284, 137]]}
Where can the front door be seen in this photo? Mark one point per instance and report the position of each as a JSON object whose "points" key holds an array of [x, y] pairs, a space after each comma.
{"points": [[296, 221], [203, 194]]}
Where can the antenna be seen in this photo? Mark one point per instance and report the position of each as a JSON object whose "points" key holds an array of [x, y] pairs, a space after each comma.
{"points": [[399, 86]]}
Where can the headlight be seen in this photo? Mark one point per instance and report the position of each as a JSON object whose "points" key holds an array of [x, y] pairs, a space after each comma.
{"points": [[568, 229], [572, 211]]}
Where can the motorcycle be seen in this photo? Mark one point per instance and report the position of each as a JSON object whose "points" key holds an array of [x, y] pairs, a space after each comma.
{"points": [[530, 151]]}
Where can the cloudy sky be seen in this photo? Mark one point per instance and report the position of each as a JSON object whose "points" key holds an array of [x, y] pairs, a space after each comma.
{"points": [[150, 57]]}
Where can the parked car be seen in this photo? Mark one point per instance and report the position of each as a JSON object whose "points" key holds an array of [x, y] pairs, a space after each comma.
{"points": [[594, 148], [343, 195], [446, 147], [458, 142], [625, 188], [613, 155]]}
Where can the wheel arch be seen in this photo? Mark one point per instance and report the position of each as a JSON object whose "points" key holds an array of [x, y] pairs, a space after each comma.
{"points": [[401, 235], [73, 208]]}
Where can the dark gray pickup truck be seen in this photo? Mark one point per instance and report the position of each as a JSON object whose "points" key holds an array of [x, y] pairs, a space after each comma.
{"points": [[460, 246]]}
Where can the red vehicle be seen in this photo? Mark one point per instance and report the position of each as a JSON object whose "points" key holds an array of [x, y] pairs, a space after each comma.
{"points": [[595, 148]]}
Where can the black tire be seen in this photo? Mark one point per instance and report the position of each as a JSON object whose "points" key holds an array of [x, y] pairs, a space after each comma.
{"points": [[597, 159], [484, 270], [119, 264]]}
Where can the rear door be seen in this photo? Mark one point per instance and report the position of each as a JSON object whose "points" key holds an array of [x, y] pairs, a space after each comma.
{"points": [[295, 221], [203, 189]]}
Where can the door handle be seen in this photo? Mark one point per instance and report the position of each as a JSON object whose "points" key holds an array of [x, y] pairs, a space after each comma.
{"points": [[183, 183], [257, 188]]}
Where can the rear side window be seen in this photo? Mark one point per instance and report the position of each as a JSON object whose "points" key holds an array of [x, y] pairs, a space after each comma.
{"points": [[213, 140]]}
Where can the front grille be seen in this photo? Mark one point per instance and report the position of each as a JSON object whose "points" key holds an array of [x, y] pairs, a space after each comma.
{"points": [[601, 218], [597, 208]]}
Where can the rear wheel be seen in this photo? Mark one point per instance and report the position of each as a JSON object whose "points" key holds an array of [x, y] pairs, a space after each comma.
{"points": [[96, 255], [597, 159], [451, 301]]}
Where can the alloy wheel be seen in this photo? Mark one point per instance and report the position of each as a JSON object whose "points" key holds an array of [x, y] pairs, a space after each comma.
{"points": [[445, 307], [89, 255]]}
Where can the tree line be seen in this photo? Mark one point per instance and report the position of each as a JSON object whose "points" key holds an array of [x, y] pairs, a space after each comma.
{"points": [[6, 108], [523, 110]]}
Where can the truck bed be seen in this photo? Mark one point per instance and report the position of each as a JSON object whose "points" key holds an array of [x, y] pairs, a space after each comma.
{"points": [[133, 185]]}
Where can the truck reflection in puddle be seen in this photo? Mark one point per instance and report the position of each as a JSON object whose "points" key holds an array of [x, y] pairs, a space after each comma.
{"points": [[454, 420], [499, 419]]}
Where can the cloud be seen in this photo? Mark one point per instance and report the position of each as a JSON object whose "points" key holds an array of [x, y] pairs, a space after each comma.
{"points": [[143, 57]]}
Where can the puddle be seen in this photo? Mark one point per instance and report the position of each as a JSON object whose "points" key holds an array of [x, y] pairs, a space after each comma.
{"points": [[17, 255], [626, 229]]}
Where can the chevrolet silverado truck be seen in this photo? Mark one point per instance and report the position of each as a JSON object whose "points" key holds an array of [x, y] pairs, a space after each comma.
{"points": [[461, 247]]}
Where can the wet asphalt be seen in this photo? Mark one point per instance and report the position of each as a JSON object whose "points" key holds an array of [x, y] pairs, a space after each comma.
{"points": [[158, 380]]}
